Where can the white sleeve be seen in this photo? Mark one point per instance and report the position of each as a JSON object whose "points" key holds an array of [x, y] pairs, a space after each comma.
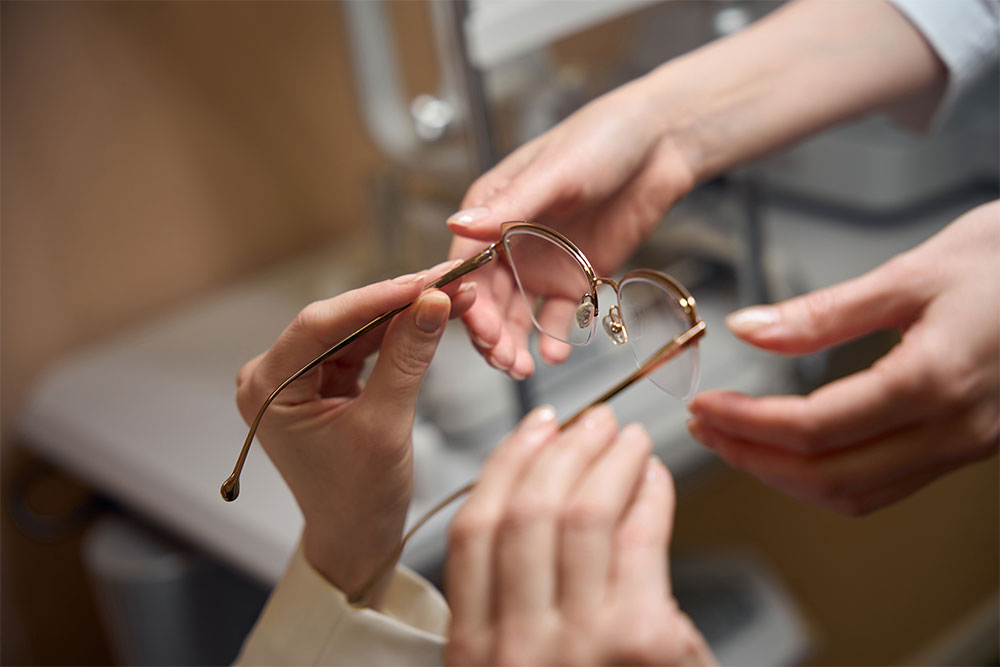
{"points": [[307, 621], [965, 35]]}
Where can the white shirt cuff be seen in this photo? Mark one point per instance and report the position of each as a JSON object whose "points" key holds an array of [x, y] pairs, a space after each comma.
{"points": [[307, 621]]}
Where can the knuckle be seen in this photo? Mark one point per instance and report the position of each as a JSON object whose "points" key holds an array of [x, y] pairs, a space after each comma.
{"points": [[411, 361], [525, 511], [309, 317], [983, 430], [586, 514], [469, 526], [522, 643], [808, 434], [816, 307], [638, 642], [464, 647]]}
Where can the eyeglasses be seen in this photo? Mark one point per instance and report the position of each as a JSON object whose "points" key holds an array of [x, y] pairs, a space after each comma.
{"points": [[559, 287]]}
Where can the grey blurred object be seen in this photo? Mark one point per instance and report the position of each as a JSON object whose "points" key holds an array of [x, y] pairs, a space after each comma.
{"points": [[162, 603], [742, 607]]}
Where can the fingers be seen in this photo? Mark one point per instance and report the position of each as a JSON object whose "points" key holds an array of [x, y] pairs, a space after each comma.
{"points": [[592, 515], [406, 353], [509, 191], [468, 571], [322, 324], [888, 396], [882, 298], [855, 479], [527, 538], [499, 324], [640, 567]]}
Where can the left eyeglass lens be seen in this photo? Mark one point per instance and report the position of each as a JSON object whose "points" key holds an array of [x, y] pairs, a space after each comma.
{"points": [[653, 317], [555, 286]]}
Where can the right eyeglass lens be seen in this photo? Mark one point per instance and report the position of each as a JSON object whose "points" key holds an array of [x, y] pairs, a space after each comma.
{"points": [[653, 317], [554, 285]]}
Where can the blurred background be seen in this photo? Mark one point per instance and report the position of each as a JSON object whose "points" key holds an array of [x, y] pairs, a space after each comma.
{"points": [[179, 179]]}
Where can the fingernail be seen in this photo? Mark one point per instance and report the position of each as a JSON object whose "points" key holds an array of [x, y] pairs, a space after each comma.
{"points": [[541, 416], [495, 364], [653, 467], [466, 287], [480, 343], [431, 311], [747, 320], [468, 216], [517, 377], [595, 416], [409, 279], [696, 431], [635, 433]]}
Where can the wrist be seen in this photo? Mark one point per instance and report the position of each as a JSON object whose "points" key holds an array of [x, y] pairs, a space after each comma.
{"points": [[350, 558]]}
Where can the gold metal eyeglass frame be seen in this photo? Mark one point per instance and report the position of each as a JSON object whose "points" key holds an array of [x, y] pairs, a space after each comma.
{"points": [[231, 487]]}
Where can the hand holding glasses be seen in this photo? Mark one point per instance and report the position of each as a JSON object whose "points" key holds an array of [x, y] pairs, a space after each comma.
{"points": [[654, 315]]}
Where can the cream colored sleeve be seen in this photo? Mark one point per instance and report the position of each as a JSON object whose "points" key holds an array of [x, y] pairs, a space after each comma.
{"points": [[307, 621]]}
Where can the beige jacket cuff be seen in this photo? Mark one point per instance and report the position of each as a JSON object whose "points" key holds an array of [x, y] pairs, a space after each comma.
{"points": [[307, 621]]}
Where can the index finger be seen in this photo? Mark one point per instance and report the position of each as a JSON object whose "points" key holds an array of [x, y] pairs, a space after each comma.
{"points": [[850, 410], [468, 571], [323, 324]]}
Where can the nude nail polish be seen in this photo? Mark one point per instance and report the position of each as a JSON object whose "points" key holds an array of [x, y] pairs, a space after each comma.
{"points": [[753, 318], [468, 216]]}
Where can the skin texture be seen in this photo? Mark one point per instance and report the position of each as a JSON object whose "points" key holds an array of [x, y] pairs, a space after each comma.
{"points": [[929, 406], [344, 448], [606, 175], [559, 556]]}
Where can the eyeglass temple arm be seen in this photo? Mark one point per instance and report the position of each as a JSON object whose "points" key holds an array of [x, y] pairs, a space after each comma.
{"points": [[662, 356], [231, 487]]}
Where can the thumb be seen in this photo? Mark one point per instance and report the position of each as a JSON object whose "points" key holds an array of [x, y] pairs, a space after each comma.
{"points": [[885, 297], [406, 353]]}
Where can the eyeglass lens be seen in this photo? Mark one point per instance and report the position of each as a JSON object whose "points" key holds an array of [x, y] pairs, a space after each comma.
{"points": [[557, 291], [653, 317], [554, 285]]}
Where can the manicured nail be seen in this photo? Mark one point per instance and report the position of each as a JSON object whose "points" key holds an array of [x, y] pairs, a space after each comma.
{"points": [[635, 432], [697, 432], [748, 320], [480, 343], [595, 416], [409, 279], [431, 311], [653, 467], [496, 364], [468, 216], [540, 416]]}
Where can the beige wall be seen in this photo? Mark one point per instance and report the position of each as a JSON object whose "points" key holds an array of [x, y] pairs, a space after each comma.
{"points": [[151, 151]]}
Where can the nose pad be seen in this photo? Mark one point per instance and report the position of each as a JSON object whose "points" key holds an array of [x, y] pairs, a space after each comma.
{"points": [[585, 312], [615, 327]]}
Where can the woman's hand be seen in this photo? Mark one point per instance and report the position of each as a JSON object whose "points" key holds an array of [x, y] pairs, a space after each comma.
{"points": [[343, 447], [607, 174], [929, 406], [604, 177], [560, 553]]}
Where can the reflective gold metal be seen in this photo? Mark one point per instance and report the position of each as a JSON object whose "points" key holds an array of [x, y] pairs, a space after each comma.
{"points": [[231, 487]]}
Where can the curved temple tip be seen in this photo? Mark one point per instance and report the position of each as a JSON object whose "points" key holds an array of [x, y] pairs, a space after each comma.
{"points": [[231, 488]]}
